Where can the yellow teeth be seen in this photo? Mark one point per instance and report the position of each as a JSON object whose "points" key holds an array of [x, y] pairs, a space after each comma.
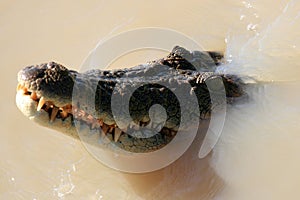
{"points": [[100, 122], [25, 90], [19, 87], [41, 103], [53, 114], [63, 113], [34, 96], [117, 135], [105, 128], [125, 129], [111, 129], [108, 133]]}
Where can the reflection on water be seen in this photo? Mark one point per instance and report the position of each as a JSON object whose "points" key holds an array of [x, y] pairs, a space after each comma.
{"points": [[257, 155]]}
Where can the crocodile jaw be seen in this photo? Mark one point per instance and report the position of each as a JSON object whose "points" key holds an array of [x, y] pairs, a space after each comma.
{"points": [[28, 107]]}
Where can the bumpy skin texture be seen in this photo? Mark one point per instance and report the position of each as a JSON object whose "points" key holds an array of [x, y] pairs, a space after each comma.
{"points": [[171, 82]]}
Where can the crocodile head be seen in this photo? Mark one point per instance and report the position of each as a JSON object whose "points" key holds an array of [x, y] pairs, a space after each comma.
{"points": [[44, 94]]}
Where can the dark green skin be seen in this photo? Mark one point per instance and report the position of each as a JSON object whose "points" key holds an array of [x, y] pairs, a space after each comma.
{"points": [[157, 83]]}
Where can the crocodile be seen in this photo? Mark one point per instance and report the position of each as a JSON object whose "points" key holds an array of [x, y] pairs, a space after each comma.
{"points": [[60, 98]]}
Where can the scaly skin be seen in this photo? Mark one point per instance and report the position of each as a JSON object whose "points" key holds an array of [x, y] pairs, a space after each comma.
{"points": [[59, 98]]}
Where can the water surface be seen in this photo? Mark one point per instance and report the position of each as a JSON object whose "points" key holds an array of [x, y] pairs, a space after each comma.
{"points": [[257, 156]]}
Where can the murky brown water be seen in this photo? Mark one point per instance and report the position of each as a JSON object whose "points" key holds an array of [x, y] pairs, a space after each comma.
{"points": [[257, 156]]}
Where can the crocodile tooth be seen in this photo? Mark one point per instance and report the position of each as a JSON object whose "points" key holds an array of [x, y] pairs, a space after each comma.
{"points": [[105, 128], [41, 103], [90, 118], [100, 121], [111, 129], [63, 113], [125, 129], [68, 108], [95, 124], [81, 113], [117, 134], [19, 87], [25, 90], [34, 96], [53, 114]]}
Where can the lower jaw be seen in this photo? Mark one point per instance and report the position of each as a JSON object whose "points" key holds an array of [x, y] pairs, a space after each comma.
{"points": [[95, 144], [81, 130], [94, 137]]}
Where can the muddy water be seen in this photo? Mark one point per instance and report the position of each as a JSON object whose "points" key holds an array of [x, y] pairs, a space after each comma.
{"points": [[257, 156]]}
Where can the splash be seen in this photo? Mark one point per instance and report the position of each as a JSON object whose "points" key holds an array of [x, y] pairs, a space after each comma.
{"points": [[258, 152], [265, 49]]}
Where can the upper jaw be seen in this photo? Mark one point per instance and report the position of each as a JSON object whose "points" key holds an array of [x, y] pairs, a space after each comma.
{"points": [[50, 80], [32, 101], [40, 103]]}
